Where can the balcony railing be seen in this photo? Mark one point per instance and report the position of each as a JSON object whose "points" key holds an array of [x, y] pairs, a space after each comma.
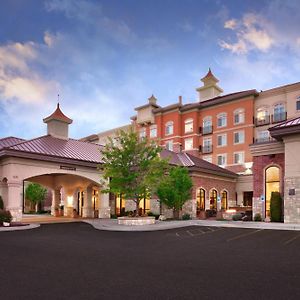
{"points": [[264, 140], [262, 121], [279, 117], [207, 130], [206, 149]]}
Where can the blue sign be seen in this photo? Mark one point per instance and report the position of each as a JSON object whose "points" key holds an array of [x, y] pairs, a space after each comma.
{"points": [[262, 198], [219, 198]]}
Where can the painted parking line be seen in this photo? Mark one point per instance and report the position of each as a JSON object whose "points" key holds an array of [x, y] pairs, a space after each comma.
{"points": [[196, 232], [244, 235], [291, 240]]}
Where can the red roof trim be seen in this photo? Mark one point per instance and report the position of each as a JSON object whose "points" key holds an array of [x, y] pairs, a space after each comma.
{"points": [[58, 115]]}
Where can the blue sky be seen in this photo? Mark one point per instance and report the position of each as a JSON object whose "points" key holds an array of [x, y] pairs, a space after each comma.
{"points": [[106, 57]]}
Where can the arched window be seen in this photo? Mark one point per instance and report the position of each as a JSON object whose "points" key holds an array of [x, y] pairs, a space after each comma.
{"points": [[200, 200], [188, 125], [262, 116], [207, 125], [224, 201], [222, 120], [272, 184], [213, 199], [279, 112], [169, 128], [239, 116]]}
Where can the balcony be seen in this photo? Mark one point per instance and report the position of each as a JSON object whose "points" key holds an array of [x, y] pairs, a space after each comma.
{"points": [[264, 140], [262, 121], [206, 149], [279, 117], [207, 130]]}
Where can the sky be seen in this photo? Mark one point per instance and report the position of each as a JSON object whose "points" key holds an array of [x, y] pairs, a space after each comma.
{"points": [[104, 58]]}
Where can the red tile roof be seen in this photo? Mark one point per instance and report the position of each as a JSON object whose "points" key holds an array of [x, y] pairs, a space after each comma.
{"points": [[58, 115], [67, 149], [288, 123], [209, 75], [9, 141]]}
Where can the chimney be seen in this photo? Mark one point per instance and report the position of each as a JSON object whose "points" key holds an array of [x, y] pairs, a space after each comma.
{"points": [[180, 100]]}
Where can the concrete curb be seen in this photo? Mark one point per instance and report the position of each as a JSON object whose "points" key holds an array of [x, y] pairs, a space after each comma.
{"points": [[111, 225], [17, 228]]}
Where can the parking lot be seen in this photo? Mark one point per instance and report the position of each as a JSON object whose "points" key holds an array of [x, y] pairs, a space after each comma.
{"points": [[75, 261]]}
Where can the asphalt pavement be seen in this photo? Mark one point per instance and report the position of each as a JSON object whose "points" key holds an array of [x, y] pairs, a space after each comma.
{"points": [[76, 261]]}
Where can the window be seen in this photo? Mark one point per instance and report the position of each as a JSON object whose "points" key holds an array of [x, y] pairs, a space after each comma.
{"points": [[279, 112], [222, 140], [262, 116], [207, 158], [188, 125], [188, 144], [169, 145], [120, 205], [169, 128], [200, 200], [298, 103], [272, 183], [153, 131], [207, 126], [239, 116], [222, 120], [239, 137], [213, 197], [239, 158], [207, 145], [263, 136], [224, 200], [222, 158], [142, 133]]}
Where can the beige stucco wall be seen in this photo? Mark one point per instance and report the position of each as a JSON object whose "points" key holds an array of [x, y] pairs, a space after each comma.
{"points": [[14, 170], [287, 95], [244, 184]]}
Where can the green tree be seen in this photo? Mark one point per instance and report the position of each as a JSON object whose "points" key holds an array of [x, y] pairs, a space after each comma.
{"points": [[175, 189], [276, 207], [35, 193], [133, 166]]}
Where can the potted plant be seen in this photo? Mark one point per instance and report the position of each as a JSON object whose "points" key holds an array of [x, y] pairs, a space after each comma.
{"points": [[56, 212], [5, 217]]}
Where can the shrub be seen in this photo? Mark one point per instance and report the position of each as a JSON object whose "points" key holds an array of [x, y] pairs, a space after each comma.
{"points": [[5, 216], [257, 217], [151, 214], [276, 207], [186, 217], [237, 217], [1, 203], [113, 216]]}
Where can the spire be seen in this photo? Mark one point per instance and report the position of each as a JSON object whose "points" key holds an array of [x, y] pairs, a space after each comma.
{"points": [[209, 76], [210, 89], [152, 99], [58, 115], [58, 124]]}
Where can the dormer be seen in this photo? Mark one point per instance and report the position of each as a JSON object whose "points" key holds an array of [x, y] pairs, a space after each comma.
{"points": [[58, 124], [210, 89], [145, 113]]}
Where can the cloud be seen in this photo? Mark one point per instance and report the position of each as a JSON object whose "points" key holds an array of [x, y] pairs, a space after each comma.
{"points": [[230, 24], [251, 34], [186, 26]]}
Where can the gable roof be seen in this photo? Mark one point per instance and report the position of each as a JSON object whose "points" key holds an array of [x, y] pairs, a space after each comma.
{"points": [[194, 163], [50, 146], [9, 141]]}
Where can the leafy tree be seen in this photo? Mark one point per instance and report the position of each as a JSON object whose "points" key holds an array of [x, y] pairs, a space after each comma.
{"points": [[35, 193], [1, 203], [133, 166], [276, 207], [175, 189]]}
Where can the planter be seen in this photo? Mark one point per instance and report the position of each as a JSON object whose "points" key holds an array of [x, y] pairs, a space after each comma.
{"points": [[134, 221], [6, 224], [56, 213]]}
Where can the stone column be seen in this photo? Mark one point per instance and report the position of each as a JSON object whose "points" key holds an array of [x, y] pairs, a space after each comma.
{"points": [[87, 210], [55, 200], [104, 208], [15, 199]]}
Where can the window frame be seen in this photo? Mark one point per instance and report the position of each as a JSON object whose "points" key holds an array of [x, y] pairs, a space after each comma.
{"points": [[223, 155], [239, 142], [223, 116], [243, 155], [222, 135], [169, 124], [186, 123], [153, 127], [192, 144], [239, 112]]}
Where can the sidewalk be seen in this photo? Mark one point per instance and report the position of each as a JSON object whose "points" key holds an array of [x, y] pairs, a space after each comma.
{"points": [[112, 225]]}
